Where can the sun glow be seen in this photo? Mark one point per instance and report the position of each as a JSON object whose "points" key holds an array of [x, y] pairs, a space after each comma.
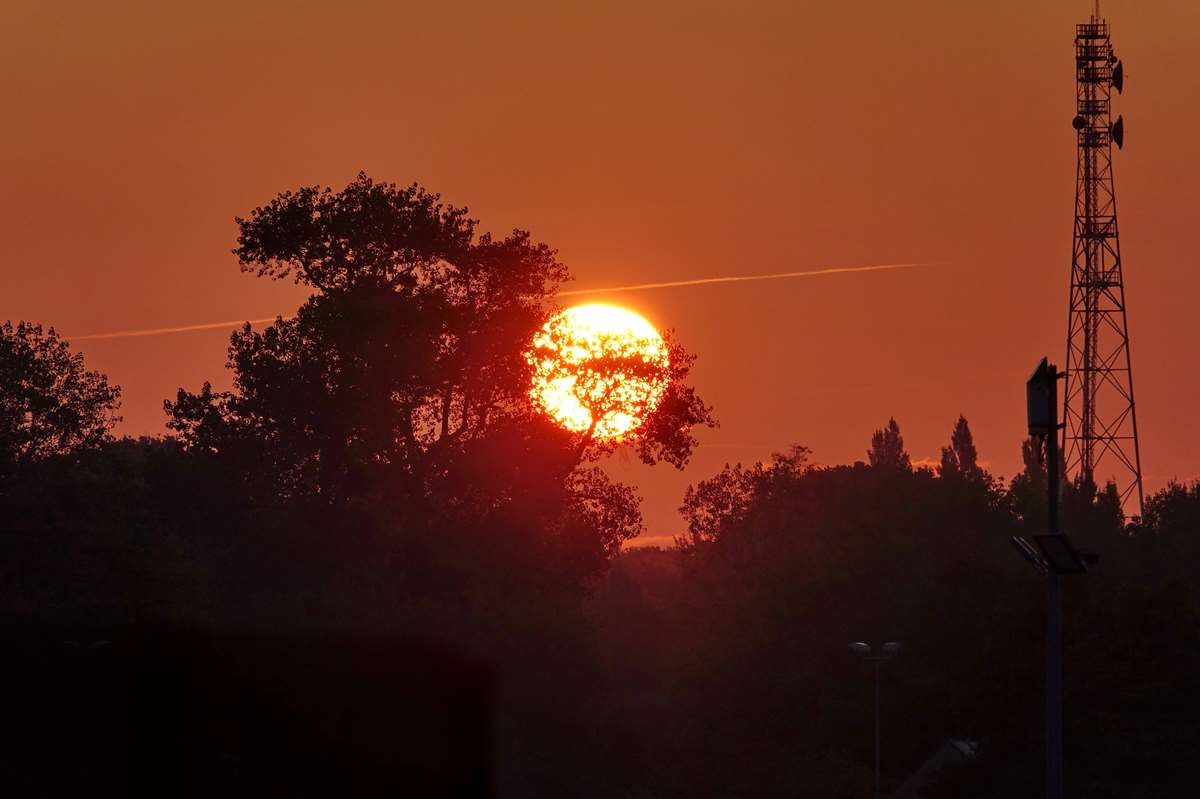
{"points": [[599, 369]]}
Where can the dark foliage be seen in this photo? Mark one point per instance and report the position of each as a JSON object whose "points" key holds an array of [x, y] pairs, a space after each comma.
{"points": [[49, 403], [887, 448], [731, 648], [397, 396], [745, 630], [378, 470]]}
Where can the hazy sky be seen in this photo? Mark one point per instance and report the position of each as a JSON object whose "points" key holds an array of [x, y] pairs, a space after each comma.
{"points": [[648, 142]]}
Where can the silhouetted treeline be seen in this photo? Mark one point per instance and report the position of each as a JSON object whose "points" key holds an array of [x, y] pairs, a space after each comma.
{"points": [[718, 668], [745, 629], [372, 564]]}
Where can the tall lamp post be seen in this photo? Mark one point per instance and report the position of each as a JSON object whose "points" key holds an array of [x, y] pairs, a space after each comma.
{"points": [[886, 652], [1054, 556]]}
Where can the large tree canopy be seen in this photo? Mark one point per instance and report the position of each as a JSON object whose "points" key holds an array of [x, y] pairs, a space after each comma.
{"points": [[49, 402], [404, 375]]}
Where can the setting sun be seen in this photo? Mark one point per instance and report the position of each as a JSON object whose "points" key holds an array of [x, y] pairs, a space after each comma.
{"points": [[598, 369]]}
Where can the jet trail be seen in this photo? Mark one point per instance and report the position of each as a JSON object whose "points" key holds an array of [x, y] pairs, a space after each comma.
{"points": [[159, 331], [739, 278], [703, 281]]}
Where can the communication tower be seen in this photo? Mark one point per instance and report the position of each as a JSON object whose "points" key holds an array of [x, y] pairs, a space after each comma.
{"points": [[1100, 440]]}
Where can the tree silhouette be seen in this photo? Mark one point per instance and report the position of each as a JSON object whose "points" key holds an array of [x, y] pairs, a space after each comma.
{"points": [[960, 460], [887, 448], [722, 503], [1174, 512], [49, 402], [787, 562], [408, 350], [401, 387], [1027, 490]]}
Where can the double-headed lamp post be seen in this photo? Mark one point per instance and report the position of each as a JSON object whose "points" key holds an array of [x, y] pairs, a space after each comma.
{"points": [[886, 652]]}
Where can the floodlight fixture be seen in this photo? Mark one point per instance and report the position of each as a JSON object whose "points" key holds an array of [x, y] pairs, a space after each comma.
{"points": [[892, 648], [860, 648], [1030, 554], [1060, 554]]}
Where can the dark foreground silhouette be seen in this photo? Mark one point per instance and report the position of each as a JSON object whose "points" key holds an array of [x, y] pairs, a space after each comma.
{"points": [[156, 711], [372, 567]]}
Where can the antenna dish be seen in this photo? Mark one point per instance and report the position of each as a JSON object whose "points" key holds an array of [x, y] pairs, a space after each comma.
{"points": [[1118, 132], [1079, 123], [1118, 77]]}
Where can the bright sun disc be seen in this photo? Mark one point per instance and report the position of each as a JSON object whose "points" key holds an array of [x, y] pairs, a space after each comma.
{"points": [[598, 368]]}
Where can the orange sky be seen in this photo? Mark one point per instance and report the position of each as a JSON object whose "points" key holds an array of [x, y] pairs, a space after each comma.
{"points": [[648, 141]]}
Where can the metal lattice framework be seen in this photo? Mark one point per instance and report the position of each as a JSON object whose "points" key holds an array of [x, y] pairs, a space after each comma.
{"points": [[1100, 440]]}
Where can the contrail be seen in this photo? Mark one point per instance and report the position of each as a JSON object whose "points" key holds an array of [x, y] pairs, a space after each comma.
{"points": [[776, 276], [702, 281], [159, 331]]}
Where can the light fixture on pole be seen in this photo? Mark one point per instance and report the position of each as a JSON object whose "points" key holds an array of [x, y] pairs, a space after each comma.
{"points": [[886, 652], [1054, 556]]}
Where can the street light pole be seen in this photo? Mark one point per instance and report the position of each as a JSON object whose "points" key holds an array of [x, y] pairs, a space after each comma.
{"points": [[1054, 610], [878, 664], [1054, 557], [886, 652]]}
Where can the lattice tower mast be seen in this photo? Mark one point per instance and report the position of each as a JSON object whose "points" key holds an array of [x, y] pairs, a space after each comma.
{"points": [[1100, 440]]}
